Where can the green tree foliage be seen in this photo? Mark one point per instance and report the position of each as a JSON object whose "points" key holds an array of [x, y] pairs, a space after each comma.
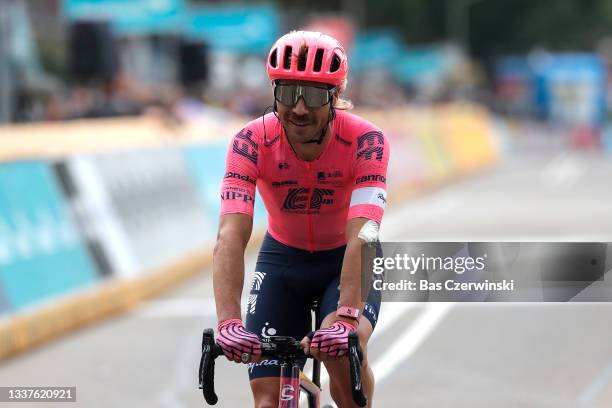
{"points": [[501, 26], [495, 26]]}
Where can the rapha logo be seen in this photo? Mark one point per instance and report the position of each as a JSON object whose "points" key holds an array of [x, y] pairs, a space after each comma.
{"points": [[283, 166], [382, 198]]}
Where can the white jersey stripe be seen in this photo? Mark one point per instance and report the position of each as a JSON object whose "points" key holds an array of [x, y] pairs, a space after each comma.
{"points": [[369, 195]]}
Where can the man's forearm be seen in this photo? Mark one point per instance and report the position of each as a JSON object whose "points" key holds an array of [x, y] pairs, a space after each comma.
{"points": [[350, 278], [228, 278]]}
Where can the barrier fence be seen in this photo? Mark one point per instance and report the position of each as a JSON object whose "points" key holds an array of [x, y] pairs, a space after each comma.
{"points": [[98, 215]]}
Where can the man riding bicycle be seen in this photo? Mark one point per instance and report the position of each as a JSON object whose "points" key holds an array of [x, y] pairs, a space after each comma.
{"points": [[321, 172]]}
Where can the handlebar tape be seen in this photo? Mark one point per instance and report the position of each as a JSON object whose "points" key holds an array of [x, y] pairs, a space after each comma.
{"points": [[355, 357], [210, 351]]}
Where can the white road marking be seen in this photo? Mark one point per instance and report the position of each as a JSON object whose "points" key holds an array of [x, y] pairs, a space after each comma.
{"points": [[183, 381], [592, 391], [422, 211], [562, 171], [389, 314], [408, 342], [176, 308]]}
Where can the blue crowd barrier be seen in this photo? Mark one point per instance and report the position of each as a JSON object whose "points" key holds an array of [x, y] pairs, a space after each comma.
{"points": [[41, 251]]}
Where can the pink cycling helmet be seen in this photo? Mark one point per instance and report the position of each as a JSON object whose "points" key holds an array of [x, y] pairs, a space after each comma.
{"points": [[308, 56]]}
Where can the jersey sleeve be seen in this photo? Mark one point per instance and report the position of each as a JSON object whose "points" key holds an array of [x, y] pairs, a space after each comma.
{"points": [[241, 172], [369, 194]]}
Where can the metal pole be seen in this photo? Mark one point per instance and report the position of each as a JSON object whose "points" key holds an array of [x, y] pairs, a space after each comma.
{"points": [[6, 97], [458, 21], [452, 11]]}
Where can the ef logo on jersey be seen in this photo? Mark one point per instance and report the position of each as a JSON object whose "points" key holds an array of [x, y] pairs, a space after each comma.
{"points": [[297, 198], [370, 146], [245, 146]]}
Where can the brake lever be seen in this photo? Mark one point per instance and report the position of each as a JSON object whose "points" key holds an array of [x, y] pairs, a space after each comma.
{"points": [[206, 374], [355, 356]]}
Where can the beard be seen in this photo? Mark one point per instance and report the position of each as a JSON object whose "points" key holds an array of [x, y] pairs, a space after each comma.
{"points": [[303, 129]]}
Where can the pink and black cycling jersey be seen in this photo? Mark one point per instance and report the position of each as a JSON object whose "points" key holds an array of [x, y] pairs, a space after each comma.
{"points": [[308, 202]]}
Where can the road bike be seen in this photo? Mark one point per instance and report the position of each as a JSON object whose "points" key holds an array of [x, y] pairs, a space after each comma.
{"points": [[292, 379]]}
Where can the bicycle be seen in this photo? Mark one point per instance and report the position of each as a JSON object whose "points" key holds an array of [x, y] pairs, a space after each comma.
{"points": [[292, 379]]}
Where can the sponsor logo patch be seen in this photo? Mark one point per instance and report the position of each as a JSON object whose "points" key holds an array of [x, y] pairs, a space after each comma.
{"points": [[233, 174], [370, 178], [369, 195], [263, 363], [258, 278], [252, 304], [324, 175], [284, 183], [297, 198], [287, 392], [267, 331], [245, 146], [370, 145], [237, 194]]}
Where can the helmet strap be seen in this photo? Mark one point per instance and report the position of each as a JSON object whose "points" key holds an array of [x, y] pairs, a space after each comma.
{"points": [[332, 116], [263, 121], [275, 109]]}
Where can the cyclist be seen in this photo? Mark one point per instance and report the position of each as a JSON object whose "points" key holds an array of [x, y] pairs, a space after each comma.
{"points": [[321, 172]]}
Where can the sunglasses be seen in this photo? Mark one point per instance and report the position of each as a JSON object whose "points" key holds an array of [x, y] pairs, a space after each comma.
{"points": [[314, 96]]}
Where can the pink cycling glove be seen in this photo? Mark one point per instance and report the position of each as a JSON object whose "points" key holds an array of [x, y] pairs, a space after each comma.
{"points": [[333, 340], [234, 339]]}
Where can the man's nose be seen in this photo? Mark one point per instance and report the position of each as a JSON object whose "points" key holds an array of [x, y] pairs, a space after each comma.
{"points": [[300, 107]]}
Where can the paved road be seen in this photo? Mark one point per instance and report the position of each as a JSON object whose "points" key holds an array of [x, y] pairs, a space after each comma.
{"points": [[424, 355]]}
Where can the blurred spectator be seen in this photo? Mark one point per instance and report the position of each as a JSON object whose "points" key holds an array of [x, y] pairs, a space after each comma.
{"points": [[115, 98]]}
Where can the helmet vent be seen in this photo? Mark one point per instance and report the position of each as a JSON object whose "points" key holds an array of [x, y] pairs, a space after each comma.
{"points": [[273, 57], [335, 64], [318, 60], [287, 57], [303, 54]]}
